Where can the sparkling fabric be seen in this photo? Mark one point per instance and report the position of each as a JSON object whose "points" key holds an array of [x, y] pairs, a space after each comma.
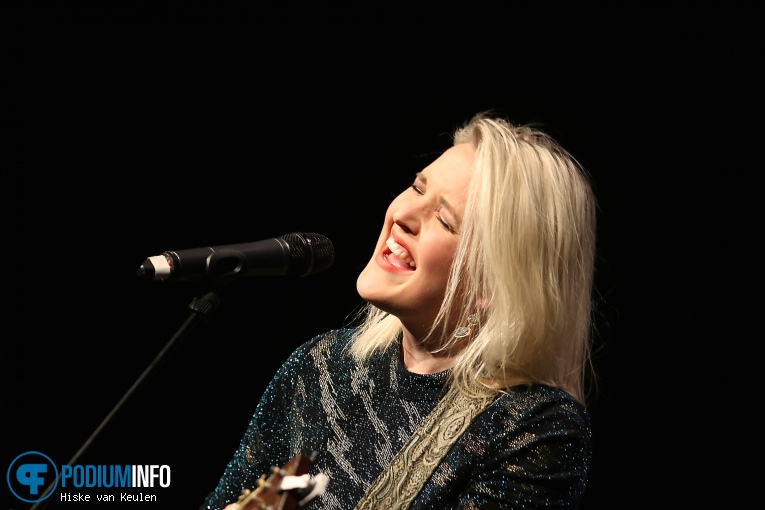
{"points": [[530, 448]]}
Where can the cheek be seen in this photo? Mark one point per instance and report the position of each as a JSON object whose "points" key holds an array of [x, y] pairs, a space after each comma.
{"points": [[438, 256]]}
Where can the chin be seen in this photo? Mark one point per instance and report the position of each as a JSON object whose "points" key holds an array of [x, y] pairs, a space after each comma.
{"points": [[365, 284]]}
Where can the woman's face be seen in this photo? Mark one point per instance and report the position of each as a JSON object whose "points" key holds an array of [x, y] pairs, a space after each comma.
{"points": [[407, 273]]}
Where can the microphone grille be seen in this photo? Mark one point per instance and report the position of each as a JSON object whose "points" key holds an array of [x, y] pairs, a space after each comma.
{"points": [[309, 253]]}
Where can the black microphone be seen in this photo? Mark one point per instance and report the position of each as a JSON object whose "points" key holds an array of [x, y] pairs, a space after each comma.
{"points": [[296, 254]]}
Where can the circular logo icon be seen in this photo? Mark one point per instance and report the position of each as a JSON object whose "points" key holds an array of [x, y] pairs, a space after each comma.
{"points": [[29, 475]]}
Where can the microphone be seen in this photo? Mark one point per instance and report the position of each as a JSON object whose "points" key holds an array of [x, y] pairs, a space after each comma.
{"points": [[296, 254]]}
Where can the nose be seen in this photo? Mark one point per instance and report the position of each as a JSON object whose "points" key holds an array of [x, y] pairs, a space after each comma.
{"points": [[407, 214], [403, 226]]}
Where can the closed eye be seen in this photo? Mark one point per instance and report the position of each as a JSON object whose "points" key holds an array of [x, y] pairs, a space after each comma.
{"points": [[445, 223], [417, 189]]}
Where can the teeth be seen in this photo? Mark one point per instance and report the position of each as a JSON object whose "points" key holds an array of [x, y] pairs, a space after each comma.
{"points": [[399, 252]]}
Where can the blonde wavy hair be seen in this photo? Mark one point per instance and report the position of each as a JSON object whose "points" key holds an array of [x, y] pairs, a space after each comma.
{"points": [[523, 267]]}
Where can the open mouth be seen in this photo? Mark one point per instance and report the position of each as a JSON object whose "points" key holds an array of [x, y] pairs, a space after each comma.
{"points": [[401, 257]]}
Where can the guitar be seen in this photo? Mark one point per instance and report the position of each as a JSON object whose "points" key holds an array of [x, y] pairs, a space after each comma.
{"points": [[277, 492]]}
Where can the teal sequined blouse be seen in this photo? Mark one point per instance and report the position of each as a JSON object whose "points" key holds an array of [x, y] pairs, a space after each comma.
{"points": [[530, 448]]}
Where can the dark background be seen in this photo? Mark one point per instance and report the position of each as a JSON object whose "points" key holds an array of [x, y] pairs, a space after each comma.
{"points": [[134, 131]]}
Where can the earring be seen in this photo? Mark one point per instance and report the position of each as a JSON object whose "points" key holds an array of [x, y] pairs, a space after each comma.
{"points": [[463, 331]]}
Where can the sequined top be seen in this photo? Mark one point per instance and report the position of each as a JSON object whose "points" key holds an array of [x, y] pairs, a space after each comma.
{"points": [[530, 448]]}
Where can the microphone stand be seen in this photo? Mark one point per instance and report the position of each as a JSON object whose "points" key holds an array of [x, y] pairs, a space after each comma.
{"points": [[202, 308]]}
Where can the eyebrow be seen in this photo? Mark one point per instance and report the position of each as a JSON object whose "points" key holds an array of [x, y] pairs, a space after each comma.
{"points": [[421, 176]]}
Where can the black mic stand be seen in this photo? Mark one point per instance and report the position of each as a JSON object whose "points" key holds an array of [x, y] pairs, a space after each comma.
{"points": [[202, 308]]}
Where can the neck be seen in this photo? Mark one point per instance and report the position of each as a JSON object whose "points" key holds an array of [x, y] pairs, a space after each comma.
{"points": [[420, 360]]}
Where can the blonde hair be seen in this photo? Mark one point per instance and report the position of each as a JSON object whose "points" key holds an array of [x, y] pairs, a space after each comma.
{"points": [[523, 266]]}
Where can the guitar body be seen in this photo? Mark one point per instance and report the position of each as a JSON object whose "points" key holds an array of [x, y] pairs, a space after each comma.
{"points": [[268, 495]]}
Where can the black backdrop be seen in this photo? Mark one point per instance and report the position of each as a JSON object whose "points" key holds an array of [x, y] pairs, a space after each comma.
{"points": [[138, 131]]}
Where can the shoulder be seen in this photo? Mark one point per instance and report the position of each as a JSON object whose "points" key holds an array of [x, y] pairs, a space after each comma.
{"points": [[540, 406], [538, 397], [537, 422], [333, 341], [306, 361], [531, 444], [330, 345]]}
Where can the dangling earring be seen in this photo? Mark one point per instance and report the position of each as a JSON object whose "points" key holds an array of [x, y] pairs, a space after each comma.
{"points": [[463, 331]]}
